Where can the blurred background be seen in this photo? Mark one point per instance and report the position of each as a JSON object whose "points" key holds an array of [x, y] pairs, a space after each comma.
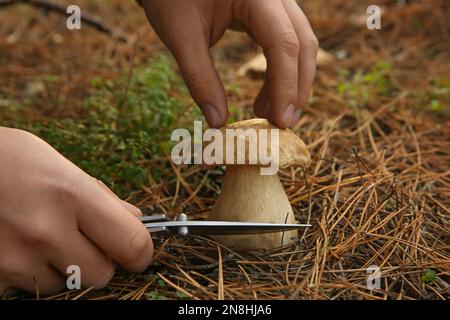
{"points": [[109, 95]]}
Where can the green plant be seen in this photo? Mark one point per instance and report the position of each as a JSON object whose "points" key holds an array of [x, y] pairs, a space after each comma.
{"points": [[429, 277], [155, 295], [439, 96], [433, 99], [181, 295], [358, 89], [124, 123]]}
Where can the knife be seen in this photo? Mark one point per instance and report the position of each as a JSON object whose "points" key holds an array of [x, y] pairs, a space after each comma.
{"points": [[183, 227]]}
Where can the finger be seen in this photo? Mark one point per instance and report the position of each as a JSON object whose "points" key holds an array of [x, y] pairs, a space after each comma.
{"points": [[133, 209], [23, 269], [202, 80], [187, 39], [273, 30], [42, 279], [308, 52], [96, 269], [261, 106], [110, 226], [189, 45]]}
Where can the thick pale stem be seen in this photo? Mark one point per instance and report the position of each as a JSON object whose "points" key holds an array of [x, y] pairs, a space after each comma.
{"points": [[249, 196]]}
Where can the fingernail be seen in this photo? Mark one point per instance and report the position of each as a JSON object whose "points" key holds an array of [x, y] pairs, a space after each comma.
{"points": [[296, 117], [212, 116], [288, 114]]}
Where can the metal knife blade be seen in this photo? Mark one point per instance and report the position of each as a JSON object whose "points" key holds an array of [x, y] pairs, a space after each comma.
{"points": [[223, 227]]}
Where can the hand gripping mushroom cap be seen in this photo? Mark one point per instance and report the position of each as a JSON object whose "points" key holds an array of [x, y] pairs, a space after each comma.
{"points": [[248, 195]]}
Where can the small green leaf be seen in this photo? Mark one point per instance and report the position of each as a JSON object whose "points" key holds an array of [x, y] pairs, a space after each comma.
{"points": [[342, 88], [181, 295], [155, 295], [161, 283], [429, 277], [436, 105]]}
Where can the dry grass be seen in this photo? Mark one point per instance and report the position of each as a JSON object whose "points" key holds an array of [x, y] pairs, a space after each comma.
{"points": [[385, 204], [377, 192]]}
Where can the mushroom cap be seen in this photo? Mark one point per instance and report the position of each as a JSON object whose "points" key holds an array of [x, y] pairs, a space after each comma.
{"points": [[292, 150]]}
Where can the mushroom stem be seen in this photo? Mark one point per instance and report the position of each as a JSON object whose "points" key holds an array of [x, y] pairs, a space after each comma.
{"points": [[248, 196]]}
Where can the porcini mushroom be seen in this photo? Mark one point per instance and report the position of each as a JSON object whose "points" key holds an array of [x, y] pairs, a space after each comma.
{"points": [[249, 196]]}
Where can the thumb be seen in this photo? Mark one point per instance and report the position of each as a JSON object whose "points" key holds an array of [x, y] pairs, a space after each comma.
{"points": [[202, 80]]}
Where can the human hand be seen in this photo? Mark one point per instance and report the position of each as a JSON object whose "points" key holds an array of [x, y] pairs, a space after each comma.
{"points": [[54, 215], [190, 27]]}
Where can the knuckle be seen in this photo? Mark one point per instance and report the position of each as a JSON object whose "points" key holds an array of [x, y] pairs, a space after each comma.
{"points": [[288, 82], [196, 80], [289, 43], [312, 43], [67, 190], [139, 250], [40, 234], [104, 276]]}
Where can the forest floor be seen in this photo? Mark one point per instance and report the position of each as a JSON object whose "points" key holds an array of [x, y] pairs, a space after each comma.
{"points": [[377, 191]]}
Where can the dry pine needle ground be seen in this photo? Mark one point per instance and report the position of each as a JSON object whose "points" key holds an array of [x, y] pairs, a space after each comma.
{"points": [[377, 192]]}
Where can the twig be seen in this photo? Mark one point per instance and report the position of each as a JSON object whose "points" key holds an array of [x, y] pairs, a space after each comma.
{"points": [[87, 18]]}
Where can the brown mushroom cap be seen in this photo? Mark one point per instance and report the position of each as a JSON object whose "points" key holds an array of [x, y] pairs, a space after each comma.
{"points": [[292, 149]]}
